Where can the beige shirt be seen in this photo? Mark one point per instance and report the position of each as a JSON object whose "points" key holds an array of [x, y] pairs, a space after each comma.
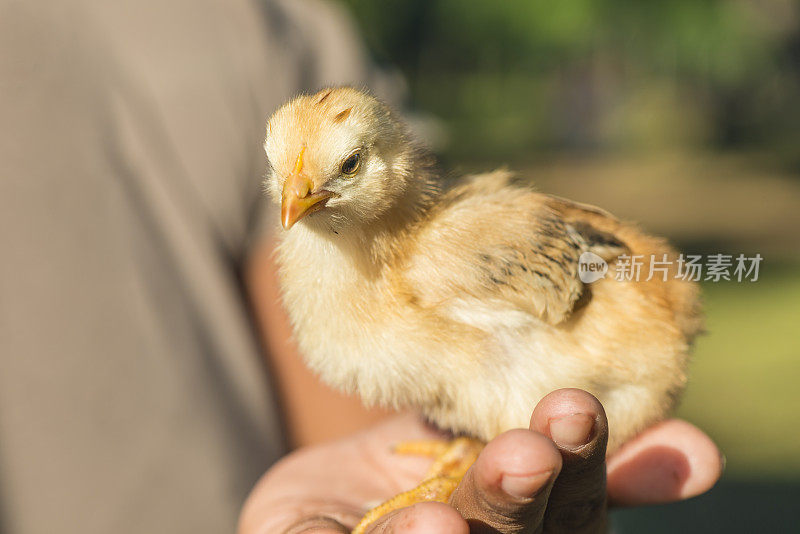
{"points": [[133, 398]]}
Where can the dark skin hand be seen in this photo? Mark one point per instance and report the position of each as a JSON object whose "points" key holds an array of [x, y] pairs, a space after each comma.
{"points": [[552, 478]]}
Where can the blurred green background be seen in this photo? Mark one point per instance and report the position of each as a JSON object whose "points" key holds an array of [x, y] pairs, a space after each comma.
{"points": [[681, 114]]}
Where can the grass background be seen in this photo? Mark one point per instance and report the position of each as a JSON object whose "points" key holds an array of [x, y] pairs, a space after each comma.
{"points": [[744, 387]]}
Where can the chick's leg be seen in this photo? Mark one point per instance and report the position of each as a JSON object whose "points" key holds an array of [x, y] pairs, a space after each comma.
{"points": [[451, 461]]}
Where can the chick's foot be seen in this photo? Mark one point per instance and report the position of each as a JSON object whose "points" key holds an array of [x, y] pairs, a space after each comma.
{"points": [[451, 461]]}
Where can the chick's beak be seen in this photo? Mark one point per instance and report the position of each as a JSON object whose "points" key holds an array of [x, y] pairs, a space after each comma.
{"points": [[298, 199]]}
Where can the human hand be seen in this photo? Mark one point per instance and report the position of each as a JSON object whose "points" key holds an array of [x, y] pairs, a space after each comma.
{"points": [[551, 478]]}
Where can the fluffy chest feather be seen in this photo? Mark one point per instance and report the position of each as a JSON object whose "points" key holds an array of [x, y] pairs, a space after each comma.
{"points": [[353, 329]]}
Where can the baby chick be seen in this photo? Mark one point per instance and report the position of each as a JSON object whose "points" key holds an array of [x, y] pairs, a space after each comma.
{"points": [[462, 300]]}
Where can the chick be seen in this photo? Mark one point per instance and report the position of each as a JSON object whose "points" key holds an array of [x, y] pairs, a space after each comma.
{"points": [[462, 299]]}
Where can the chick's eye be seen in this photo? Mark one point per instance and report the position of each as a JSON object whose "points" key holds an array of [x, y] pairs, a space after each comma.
{"points": [[351, 164]]}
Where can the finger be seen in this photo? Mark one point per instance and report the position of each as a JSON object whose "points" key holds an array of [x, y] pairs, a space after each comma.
{"points": [[668, 462], [577, 424], [422, 518], [507, 488], [317, 525]]}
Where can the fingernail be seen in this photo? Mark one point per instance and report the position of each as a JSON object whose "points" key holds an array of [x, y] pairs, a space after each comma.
{"points": [[572, 431], [524, 486]]}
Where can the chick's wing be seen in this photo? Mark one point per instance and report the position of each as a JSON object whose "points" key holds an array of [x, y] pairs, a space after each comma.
{"points": [[493, 245]]}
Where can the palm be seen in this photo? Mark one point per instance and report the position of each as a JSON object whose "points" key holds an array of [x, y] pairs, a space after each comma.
{"points": [[335, 480]]}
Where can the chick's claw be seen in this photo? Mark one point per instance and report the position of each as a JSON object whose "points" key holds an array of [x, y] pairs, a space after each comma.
{"points": [[451, 461]]}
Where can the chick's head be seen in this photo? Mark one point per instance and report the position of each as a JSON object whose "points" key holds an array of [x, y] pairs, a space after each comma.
{"points": [[336, 158]]}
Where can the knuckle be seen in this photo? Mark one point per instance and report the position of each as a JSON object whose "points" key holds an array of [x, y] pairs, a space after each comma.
{"points": [[492, 514]]}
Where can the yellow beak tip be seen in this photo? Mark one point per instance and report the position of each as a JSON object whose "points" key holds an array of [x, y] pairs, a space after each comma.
{"points": [[287, 220]]}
